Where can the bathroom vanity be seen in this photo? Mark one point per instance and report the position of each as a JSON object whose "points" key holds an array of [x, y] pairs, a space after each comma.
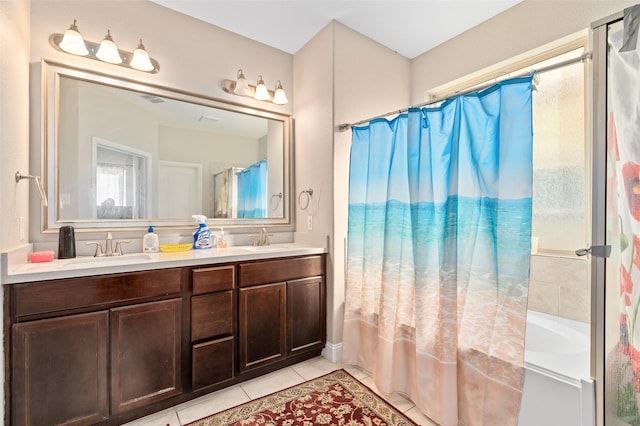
{"points": [[107, 344]]}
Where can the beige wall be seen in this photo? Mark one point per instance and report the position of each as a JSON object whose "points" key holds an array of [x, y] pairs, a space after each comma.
{"points": [[14, 120], [522, 28], [14, 131], [313, 113], [340, 76]]}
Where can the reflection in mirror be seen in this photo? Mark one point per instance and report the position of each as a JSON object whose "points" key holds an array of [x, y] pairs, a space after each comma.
{"points": [[131, 156]]}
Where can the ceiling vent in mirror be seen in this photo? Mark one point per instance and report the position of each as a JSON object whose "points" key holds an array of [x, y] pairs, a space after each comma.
{"points": [[153, 99]]}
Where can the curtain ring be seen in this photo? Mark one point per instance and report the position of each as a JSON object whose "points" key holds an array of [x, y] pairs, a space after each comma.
{"points": [[309, 194], [277, 197]]}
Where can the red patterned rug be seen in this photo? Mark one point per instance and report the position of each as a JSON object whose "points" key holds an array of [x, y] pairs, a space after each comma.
{"points": [[334, 399]]}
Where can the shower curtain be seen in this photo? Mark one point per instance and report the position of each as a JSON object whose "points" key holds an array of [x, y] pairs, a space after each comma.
{"points": [[438, 254], [252, 190]]}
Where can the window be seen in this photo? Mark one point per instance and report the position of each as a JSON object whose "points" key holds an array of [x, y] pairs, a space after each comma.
{"points": [[121, 181], [559, 161]]}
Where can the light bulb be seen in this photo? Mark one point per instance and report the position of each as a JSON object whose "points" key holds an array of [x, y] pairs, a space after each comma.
{"points": [[108, 50], [279, 97], [72, 41], [262, 93], [141, 60], [242, 87]]}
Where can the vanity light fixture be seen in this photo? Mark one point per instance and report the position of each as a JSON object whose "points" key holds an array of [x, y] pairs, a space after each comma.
{"points": [[262, 93], [240, 87], [73, 42], [106, 51], [141, 60], [279, 97]]}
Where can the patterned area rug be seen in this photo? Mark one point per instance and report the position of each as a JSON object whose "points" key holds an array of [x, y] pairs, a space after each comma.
{"points": [[334, 399]]}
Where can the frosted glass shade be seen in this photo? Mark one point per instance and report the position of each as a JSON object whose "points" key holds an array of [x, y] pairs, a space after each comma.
{"points": [[141, 60], [242, 87], [262, 93], [72, 41], [108, 51], [279, 97]]}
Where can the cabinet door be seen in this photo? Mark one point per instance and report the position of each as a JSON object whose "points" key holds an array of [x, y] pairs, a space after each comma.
{"points": [[262, 325], [146, 354], [212, 362], [306, 314], [60, 370]]}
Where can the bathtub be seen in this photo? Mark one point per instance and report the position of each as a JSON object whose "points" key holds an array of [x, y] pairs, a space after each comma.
{"points": [[558, 389]]}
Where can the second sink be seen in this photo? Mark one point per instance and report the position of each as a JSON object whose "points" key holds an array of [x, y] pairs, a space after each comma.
{"points": [[92, 261]]}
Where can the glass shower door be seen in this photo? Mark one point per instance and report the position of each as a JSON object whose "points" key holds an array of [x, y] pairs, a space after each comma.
{"points": [[617, 188]]}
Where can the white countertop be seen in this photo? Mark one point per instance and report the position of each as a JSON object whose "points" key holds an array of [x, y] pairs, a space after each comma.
{"points": [[22, 271]]}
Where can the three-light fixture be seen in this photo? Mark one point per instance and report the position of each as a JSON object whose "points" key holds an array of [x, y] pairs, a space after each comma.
{"points": [[106, 51], [241, 87]]}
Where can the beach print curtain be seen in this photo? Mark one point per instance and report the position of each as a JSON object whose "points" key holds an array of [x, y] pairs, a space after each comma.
{"points": [[439, 242], [622, 336], [252, 190]]}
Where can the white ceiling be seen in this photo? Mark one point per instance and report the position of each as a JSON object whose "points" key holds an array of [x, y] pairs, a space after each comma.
{"points": [[410, 27]]}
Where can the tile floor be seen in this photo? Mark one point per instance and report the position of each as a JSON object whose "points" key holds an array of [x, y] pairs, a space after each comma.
{"points": [[226, 398]]}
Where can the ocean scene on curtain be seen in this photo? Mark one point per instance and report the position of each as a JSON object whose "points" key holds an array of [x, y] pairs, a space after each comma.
{"points": [[439, 241], [622, 397], [252, 190]]}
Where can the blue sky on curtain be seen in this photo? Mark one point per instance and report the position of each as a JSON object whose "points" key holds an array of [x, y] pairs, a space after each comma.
{"points": [[438, 253]]}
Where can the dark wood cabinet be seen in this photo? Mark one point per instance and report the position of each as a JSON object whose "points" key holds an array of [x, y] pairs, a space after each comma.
{"points": [[213, 362], [60, 370], [282, 310], [262, 325], [73, 367], [213, 324], [306, 325], [107, 349], [145, 354]]}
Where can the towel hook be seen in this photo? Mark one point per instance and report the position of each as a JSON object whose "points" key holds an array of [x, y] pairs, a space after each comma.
{"points": [[309, 195], [43, 195]]}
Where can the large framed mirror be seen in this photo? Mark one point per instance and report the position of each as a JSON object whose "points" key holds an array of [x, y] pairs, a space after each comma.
{"points": [[121, 153]]}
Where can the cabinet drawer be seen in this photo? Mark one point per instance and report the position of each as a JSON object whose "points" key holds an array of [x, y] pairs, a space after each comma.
{"points": [[73, 293], [212, 362], [280, 270], [211, 315], [208, 280]]}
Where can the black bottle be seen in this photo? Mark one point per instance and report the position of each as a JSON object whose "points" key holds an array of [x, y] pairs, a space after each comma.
{"points": [[66, 242]]}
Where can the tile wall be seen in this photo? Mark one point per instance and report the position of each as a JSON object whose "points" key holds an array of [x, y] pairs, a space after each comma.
{"points": [[560, 286]]}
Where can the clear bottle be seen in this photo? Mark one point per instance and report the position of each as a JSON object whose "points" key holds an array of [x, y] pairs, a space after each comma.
{"points": [[150, 243], [222, 241]]}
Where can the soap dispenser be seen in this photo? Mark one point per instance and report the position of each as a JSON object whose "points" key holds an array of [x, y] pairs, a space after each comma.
{"points": [[222, 241], [150, 243]]}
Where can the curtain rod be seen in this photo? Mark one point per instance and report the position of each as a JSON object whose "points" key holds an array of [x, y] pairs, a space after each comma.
{"points": [[582, 58]]}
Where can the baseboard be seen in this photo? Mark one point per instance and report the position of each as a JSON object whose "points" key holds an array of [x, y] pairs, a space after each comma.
{"points": [[333, 351]]}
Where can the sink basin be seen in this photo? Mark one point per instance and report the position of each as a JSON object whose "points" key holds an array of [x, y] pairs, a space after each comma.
{"points": [[266, 248], [107, 260]]}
